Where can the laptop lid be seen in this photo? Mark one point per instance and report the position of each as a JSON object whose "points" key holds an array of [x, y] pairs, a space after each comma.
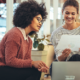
{"points": [[65, 71]]}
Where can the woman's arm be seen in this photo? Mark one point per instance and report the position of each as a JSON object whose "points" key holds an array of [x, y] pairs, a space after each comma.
{"points": [[12, 45], [12, 59], [64, 55], [11, 56]]}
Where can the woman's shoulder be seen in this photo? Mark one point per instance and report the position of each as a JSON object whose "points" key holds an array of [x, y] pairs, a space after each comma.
{"points": [[13, 34], [57, 30]]}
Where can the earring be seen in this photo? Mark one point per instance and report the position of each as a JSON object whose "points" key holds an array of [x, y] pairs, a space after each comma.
{"points": [[62, 21]]}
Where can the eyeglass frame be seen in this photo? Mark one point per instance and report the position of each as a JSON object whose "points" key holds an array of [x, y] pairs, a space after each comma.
{"points": [[40, 21]]}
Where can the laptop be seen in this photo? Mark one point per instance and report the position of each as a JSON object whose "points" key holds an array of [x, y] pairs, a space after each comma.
{"points": [[65, 71]]}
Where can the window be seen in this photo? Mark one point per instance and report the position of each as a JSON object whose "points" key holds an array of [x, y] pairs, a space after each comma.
{"points": [[2, 20]]}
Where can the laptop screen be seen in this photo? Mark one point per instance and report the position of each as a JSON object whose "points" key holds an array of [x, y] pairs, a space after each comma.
{"points": [[65, 71]]}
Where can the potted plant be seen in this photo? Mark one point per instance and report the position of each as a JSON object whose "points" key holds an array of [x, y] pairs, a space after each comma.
{"points": [[38, 42]]}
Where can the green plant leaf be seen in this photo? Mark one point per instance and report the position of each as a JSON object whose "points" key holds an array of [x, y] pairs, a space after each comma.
{"points": [[35, 44], [35, 39], [47, 40]]}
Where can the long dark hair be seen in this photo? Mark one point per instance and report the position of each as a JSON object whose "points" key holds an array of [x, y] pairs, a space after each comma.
{"points": [[73, 3]]}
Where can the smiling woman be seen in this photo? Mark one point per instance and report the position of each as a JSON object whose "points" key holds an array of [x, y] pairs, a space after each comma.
{"points": [[16, 45], [70, 11]]}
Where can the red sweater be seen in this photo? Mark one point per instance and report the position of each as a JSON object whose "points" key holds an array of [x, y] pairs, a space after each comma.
{"points": [[14, 50]]}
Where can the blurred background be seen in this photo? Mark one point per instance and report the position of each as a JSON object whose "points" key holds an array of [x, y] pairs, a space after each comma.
{"points": [[54, 18]]}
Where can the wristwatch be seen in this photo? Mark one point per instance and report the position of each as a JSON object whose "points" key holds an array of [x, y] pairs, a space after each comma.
{"points": [[46, 75]]}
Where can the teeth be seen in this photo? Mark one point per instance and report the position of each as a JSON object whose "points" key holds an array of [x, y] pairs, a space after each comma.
{"points": [[69, 19]]}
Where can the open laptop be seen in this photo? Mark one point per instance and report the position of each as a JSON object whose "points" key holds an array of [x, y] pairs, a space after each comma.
{"points": [[65, 71]]}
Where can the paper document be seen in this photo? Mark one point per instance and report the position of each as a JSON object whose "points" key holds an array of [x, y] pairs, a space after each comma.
{"points": [[69, 41]]}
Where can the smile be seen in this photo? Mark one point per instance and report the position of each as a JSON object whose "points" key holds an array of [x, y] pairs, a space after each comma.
{"points": [[69, 19]]}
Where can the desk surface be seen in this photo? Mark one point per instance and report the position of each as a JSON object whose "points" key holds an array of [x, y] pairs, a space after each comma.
{"points": [[36, 52]]}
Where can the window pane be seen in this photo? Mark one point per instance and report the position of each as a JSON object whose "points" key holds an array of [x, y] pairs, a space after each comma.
{"points": [[2, 20]]}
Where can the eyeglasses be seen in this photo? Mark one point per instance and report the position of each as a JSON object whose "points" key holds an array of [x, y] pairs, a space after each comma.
{"points": [[39, 20]]}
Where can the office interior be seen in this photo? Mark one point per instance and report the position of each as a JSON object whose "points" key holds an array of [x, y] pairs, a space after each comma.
{"points": [[53, 21]]}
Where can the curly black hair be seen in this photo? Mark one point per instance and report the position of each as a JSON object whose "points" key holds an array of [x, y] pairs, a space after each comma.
{"points": [[71, 3], [26, 11]]}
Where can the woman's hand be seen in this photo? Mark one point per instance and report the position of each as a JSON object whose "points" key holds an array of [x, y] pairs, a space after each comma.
{"points": [[41, 66], [64, 55], [43, 69]]}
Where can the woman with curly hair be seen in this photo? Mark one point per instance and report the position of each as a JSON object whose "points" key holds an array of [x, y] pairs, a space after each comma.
{"points": [[16, 45]]}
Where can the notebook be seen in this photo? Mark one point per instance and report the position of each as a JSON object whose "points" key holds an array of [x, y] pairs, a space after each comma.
{"points": [[69, 41]]}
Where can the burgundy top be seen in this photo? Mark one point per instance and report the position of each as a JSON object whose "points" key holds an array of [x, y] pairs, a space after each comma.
{"points": [[14, 50]]}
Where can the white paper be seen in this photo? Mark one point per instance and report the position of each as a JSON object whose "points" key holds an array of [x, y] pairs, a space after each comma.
{"points": [[69, 41]]}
